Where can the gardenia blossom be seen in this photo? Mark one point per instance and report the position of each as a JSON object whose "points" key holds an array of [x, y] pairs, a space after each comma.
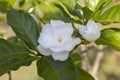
{"points": [[89, 32], [56, 40]]}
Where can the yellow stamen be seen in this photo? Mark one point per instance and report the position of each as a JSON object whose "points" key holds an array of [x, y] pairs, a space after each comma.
{"points": [[60, 40]]}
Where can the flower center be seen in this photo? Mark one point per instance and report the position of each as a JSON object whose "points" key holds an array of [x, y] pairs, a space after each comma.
{"points": [[60, 40]]}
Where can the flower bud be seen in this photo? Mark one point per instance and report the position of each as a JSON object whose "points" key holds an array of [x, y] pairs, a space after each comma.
{"points": [[89, 32]]}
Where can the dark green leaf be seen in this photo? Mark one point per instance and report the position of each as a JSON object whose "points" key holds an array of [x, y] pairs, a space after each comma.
{"points": [[79, 13], [13, 56], [4, 6], [56, 70], [109, 16], [84, 75], [95, 5], [24, 26], [49, 11], [9, 50], [15, 40], [87, 13], [14, 64], [110, 37]]}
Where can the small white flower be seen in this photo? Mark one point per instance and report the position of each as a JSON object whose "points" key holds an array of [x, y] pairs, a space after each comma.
{"points": [[90, 32], [56, 40]]}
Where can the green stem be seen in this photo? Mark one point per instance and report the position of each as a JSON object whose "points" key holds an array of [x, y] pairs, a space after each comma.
{"points": [[9, 75], [74, 49]]}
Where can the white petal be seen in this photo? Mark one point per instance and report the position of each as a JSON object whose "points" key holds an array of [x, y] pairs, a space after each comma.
{"points": [[91, 24], [55, 23], [44, 51], [57, 48], [46, 38], [69, 45], [90, 32], [62, 56], [61, 29]]}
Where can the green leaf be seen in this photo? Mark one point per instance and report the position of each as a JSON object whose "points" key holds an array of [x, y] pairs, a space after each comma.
{"points": [[76, 59], [13, 56], [70, 4], [109, 16], [56, 70], [24, 26], [12, 2], [95, 5], [110, 37], [84, 75], [87, 13], [9, 50], [4, 6], [15, 40], [49, 11], [14, 64]]}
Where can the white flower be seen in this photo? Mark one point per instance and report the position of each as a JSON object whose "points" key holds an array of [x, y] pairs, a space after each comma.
{"points": [[90, 32], [56, 40]]}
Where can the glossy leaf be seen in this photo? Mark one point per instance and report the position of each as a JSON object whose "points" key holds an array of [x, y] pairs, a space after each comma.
{"points": [[110, 37], [4, 6], [109, 16], [49, 11], [24, 26], [84, 75], [13, 56], [56, 70], [70, 4], [95, 5]]}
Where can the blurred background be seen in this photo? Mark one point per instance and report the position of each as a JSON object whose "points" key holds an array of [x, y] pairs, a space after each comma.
{"points": [[101, 61]]}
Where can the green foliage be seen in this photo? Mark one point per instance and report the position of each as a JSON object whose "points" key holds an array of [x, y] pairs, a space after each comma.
{"points": [[13, 56], [24, 26], [76, 59], [109, 16], [110, 37], [96, 5], [57, 70], [84, 75], [87, 13], [4, 6], [26, 4], [49, 11], [12, 2], [70, 4]]}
